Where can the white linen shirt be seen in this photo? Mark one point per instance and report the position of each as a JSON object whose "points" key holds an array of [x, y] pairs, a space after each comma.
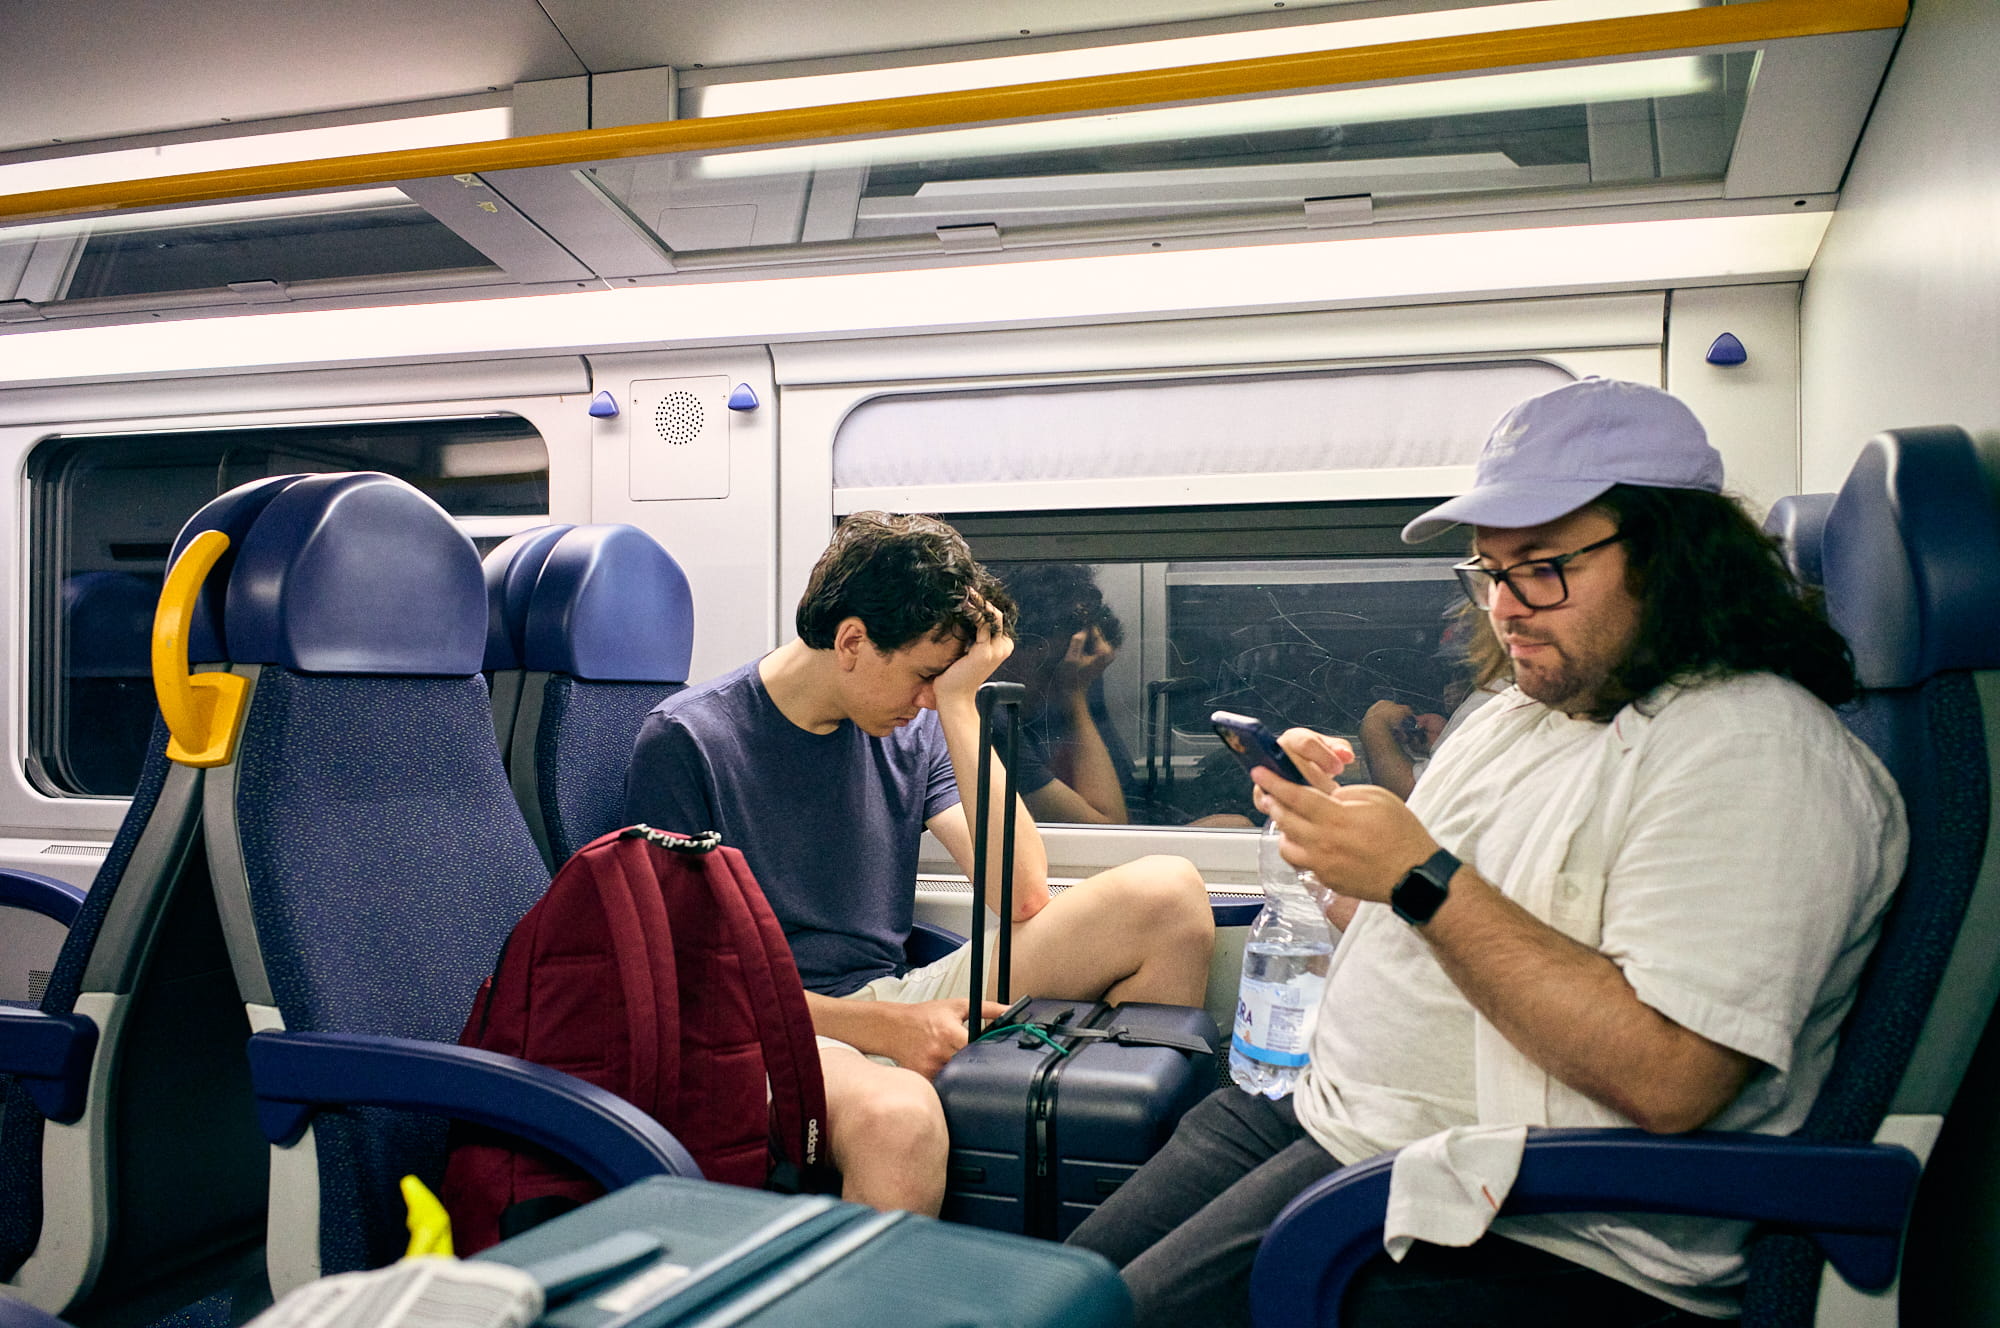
{"points": [[1728, 844]]}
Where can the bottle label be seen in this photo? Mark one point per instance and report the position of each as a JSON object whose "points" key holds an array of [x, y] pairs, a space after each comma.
{"points": [[1274, 1020]]}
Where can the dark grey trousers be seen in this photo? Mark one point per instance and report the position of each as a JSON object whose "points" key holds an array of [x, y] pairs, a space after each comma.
{"points": [[1185, 1231]]}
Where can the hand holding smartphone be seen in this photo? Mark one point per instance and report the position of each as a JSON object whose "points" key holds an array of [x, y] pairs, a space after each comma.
{"points": [[1253, 744]]}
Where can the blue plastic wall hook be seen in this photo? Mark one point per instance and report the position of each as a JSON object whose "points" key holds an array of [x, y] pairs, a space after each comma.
{"points": [[743, 398], [1726, 350], [603, 406]]}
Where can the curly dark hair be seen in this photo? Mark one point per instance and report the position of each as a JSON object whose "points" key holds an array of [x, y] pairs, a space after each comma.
{"points": [[1716, 598], [904, 576], [1058, 600]]}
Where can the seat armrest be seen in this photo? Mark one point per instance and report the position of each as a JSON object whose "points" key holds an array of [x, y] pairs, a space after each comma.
{"points": [[1235, 910], [1852, 1199], [53, 899], [17, 1313], [50, 1055], [297, 1074], [928, 944]]}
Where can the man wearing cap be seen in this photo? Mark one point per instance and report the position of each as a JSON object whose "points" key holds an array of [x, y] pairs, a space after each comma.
{"points": [[1637, 888]]}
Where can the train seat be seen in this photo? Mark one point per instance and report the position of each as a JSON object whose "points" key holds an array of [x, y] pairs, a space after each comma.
{"points": [[369, 862], [607, 636], [1915, 597], [1798, 521], [134, 1053], [510, 570]]}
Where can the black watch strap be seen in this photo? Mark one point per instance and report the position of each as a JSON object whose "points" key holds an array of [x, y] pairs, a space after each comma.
{"points": [[1418, 896]]}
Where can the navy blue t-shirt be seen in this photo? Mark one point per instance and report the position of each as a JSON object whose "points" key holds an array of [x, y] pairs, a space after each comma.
{"points": [[829, 822]]}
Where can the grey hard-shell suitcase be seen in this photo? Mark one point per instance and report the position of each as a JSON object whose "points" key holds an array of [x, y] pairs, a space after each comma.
{"points": [[671, 1251], [1052, 1108]]}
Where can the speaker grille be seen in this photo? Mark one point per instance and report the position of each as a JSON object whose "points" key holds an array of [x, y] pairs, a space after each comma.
{"points": [[679, 418]]}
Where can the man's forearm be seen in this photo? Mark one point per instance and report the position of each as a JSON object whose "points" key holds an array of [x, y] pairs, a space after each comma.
{"points": [[1570, 1010], [1388, 765], [857, 1023], [1084, 763]]}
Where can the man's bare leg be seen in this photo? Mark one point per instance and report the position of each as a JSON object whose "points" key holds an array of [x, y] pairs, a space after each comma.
{"points": [[887, 1130], [1139, 932]]}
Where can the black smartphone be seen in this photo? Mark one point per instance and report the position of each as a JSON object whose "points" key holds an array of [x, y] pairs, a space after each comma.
{"points": [[1254, 744]]}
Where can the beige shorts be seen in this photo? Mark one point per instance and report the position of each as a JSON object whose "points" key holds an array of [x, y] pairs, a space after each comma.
{"points": [[935, 981]]}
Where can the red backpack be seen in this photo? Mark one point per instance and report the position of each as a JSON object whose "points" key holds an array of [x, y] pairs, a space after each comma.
{"points": [[653, 968]]}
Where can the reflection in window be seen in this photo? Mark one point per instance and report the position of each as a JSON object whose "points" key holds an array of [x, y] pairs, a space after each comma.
{"points": [[107, 509], [1124, 662]]}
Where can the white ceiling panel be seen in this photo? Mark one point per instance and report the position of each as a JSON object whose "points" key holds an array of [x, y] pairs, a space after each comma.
{"points": [[93, 69], [616, 34]]}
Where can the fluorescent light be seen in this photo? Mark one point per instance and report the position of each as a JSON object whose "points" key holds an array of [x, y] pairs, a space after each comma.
{"points": [[1005, 71], [1631, 80], [424, 131], [1321, 274]]}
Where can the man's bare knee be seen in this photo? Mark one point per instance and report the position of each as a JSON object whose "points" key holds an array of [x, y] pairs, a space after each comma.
{"points": [[1167, 894], [889, 1140]]}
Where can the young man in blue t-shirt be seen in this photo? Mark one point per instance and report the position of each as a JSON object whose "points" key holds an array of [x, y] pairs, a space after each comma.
{"points": [[824, 762]]}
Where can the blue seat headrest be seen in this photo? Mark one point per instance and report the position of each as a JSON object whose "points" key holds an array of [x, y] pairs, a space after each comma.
{"points": [[359, 574], [611, 605], [511, 571], [1799, 523], [1911, 555], [233, 514]]}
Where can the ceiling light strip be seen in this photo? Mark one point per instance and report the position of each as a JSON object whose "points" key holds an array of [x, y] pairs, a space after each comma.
{"points": [[1728, 25], [1639, 255]]}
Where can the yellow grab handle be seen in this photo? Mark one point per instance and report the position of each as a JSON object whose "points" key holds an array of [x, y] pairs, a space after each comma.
{"points": [[202, 709], [430, 1225]]}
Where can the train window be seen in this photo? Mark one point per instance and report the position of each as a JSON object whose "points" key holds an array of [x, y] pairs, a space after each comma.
{"points": [[1150, 620], [104, 516]]}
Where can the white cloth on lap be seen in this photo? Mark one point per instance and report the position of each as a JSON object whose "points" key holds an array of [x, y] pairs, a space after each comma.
{"points": [[1446, 1189]]}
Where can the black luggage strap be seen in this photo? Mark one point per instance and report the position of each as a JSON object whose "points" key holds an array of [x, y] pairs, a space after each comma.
{"points": [[1046, 1031], [705, 842], [1119, 1035]]}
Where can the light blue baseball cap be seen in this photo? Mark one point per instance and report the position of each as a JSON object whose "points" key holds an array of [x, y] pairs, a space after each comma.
{"points": [[1553, 453]]}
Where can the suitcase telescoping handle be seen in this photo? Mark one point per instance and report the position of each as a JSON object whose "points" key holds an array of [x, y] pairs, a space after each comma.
{"points": [[992, 696]]}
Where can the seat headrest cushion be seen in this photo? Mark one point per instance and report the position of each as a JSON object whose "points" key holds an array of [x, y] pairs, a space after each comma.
{"points": [[233, 514], [511, 570], [1799, 522], [357, 574], [1911, 556], [611, 606]]}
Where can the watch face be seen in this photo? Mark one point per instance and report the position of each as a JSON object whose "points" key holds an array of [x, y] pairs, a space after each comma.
{"points": [[1418, 896]]}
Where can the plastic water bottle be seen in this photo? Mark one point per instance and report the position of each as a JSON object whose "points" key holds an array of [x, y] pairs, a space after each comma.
{"points": [[1285, 962]]}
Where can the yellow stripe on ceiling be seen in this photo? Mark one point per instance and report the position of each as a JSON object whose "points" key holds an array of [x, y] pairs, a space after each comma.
{"points": [[1727, 25]]}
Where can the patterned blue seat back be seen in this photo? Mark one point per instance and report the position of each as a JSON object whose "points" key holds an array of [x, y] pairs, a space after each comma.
{"points": [[609, 633], [377, 855], [1910, 554]]}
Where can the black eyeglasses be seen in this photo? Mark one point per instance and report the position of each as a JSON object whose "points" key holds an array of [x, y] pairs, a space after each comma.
{"points": [[1537, 583]]}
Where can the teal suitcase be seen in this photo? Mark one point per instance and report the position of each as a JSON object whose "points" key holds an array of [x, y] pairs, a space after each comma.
{"points": [[668, 1252]]}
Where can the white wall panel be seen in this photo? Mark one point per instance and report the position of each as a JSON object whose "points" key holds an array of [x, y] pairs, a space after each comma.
{"points": [[1901, 314], [1751, 410], [726, 544]]}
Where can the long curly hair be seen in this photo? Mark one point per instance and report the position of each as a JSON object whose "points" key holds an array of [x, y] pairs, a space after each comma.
{"points": [[1716, 598]]}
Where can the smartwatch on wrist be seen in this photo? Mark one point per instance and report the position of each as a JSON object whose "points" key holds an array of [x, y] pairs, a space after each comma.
{"points": [[1418, 896]]}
